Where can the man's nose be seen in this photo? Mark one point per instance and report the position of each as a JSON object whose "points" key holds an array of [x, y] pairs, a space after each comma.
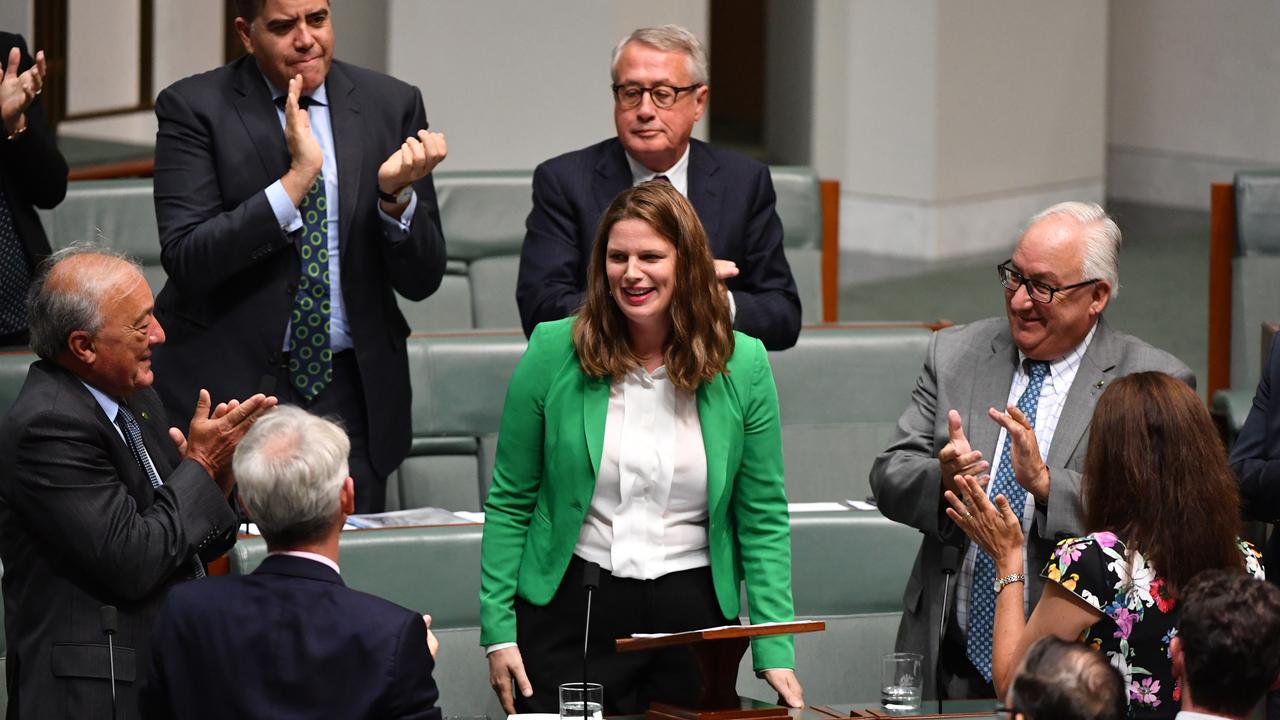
{"points": [[1021, 297], [155, 334], [302, 38]]}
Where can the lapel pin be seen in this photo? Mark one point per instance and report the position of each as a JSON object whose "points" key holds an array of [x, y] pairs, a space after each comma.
{"points": [[145, 416], [1099, 384]]}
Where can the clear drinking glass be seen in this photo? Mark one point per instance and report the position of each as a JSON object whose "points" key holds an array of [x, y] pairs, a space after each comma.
{"points": [[572, 699], [901, 682]]}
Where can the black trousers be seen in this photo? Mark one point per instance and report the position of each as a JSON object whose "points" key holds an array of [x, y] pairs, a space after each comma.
{"points": [[550, 639], [342, 400], [958, 679]]}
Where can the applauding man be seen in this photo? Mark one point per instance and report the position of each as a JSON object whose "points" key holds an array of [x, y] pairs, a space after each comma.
{"points": [[294, 199]]}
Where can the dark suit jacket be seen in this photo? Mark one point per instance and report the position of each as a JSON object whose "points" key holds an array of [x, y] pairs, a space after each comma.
{"points": [[81, 527], [288, 641], [32, 171], [233, 271], [734, 197], [1256, 457], [970, 368]]}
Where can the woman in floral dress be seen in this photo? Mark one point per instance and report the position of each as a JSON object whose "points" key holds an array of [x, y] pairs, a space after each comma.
{"points": [[1163, 504]]}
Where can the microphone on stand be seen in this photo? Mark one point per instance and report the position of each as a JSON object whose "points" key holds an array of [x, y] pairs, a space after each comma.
{"points": [[590, 581], [109, 618], [949, 560]]}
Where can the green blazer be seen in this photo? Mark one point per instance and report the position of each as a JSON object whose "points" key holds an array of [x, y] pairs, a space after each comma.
{"points": [[544, 475]]}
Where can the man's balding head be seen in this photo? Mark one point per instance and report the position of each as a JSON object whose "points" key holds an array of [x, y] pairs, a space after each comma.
{"points": [[90, 311], [1061, 680]]}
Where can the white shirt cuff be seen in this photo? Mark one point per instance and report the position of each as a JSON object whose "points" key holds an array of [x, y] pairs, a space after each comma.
{"points": [[400, 226], [489, 650], [287, 216], [733, 308]]}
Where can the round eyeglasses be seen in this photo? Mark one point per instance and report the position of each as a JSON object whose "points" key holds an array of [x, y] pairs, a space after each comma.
{"points": [[1037, 290], [662, 96]]}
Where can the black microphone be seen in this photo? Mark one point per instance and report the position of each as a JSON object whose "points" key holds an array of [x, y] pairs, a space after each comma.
{"points": [[109, 618], [949, 560], [590, 581]]}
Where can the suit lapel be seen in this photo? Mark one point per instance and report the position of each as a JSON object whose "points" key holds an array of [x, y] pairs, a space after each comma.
{"points": [[344, 114], [994, 376], [712, 401], [1097, 368], [613, 175], [706, 192], [261, 121]]}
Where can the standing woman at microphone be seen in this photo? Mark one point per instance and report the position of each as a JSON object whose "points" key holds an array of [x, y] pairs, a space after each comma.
{"points": [[641, 434]]}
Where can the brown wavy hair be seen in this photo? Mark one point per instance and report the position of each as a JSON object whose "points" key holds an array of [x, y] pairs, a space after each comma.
{"points": [[1157, 476], [701, 338]]}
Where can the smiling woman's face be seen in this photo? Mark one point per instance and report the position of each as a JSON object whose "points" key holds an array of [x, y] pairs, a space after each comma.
{"points": [[641, 267]]}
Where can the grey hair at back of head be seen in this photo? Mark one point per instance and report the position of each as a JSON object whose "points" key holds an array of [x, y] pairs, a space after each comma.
{"points": [[668, 38], [55, 310], [1061, 680], [290, 469], [1102, 240]]}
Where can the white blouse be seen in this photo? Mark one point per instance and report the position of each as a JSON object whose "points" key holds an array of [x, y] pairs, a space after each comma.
{"points": [[648, 514]]}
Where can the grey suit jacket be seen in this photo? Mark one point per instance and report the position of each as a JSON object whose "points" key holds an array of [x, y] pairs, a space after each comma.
{"points": [[970, 369]]}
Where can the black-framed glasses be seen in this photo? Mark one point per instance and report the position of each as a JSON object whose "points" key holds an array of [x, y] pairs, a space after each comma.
{"points": [[1038, 291], [663, 96]]}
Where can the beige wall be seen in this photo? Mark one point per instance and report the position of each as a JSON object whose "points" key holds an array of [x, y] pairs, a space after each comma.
{"points": [[1194, 96], [514, 83]]}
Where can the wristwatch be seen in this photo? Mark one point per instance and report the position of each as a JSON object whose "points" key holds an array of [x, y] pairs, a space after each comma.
{"points": [[999, 583], [399, 198]]}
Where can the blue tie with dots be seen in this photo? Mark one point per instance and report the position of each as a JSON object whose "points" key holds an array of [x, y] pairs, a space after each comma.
{"points": [[310, 359], [982, 597]]}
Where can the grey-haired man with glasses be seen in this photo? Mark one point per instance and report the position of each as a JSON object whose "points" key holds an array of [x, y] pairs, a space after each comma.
{"points": [[1007, 399], [660, 89]]}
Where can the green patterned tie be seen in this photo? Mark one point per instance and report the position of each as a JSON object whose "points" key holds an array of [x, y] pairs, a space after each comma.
{"points": [[310, 359]]}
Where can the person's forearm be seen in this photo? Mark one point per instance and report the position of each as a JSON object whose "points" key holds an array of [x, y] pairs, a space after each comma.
{"points": [[1010, 622]]}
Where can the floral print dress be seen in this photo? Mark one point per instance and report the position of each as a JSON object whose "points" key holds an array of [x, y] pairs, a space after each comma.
{"points": [[1140, 619]]}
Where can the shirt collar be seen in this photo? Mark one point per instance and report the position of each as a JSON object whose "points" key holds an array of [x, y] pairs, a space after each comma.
{"points": [[108, 404], [677, 174], [308, 556], [319, 97], [1075, 353]]}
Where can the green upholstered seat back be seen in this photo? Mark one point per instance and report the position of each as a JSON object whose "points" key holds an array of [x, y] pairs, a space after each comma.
{"points": [[841, 391], [116, 213], [1255, 292], [800, 210]]}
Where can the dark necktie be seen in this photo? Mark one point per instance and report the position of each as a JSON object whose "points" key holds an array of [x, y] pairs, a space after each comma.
{"points": [[15, 275], [982, 598], [660, 179], [310, 357], [133, 438]]}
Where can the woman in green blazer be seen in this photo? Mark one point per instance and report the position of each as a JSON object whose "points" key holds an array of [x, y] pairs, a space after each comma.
{"points": [[596, 462]]}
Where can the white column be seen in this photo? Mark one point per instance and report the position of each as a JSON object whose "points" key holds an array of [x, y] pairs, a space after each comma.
{"points": [[948, 124]]}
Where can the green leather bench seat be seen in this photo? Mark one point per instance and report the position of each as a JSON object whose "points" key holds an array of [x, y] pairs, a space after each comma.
{"points": [[849, 568], [841, 391], [482, 214]]}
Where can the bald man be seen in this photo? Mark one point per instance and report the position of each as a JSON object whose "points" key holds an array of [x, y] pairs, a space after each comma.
{"points": [[101, 503]]}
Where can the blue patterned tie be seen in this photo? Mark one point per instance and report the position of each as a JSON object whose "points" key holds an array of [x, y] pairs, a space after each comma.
{"points": [[133, 438], [310, 358], [15, 275], [982, 598]]}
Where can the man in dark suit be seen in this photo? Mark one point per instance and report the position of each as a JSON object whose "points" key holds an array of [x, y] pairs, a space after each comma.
{"points": [[1011, 397], [660, 90], [290, 640], [32, 174], [293, 199], [101, 504]]}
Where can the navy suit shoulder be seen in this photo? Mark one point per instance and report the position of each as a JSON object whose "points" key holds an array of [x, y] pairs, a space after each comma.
{"points": [[289, 640], [1255, 456], [733, 196]]}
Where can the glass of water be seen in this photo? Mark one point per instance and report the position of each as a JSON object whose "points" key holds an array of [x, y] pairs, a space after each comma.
{"points": [[901, 683], [573, 701]]}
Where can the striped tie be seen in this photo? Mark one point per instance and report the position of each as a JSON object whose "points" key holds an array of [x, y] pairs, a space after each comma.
{"points": [[133, 438]]}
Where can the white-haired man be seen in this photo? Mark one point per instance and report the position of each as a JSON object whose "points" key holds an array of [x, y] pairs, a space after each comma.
{"points": [[1010, 397], [660, 90], [290, 639]]}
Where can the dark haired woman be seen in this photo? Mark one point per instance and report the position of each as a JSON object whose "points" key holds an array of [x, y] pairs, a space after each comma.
{"points": [[642, 435], [1163, 505]]}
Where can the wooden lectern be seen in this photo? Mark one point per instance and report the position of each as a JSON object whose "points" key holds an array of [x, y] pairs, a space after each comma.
{"points": [[718, 652]]}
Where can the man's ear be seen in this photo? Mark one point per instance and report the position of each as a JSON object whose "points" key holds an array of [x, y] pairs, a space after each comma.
{"points": [[1100, 296], [80, 344], [347, 497], [242, 29], [1178, 660]]}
